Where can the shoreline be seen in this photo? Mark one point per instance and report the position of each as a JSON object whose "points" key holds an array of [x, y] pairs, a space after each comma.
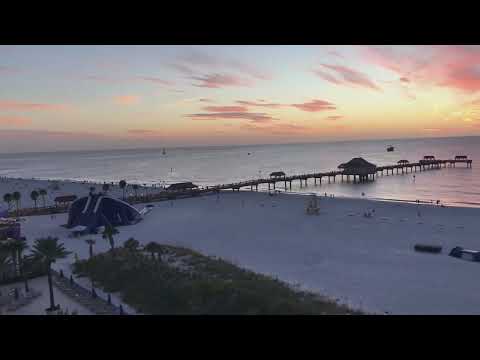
{"points": [[80, 188]]}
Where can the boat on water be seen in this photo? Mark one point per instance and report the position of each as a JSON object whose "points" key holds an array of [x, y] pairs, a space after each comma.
{"points": [[163, 151], [390, 148]]}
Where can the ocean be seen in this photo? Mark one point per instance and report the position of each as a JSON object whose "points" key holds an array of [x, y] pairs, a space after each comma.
{"points": [[458, 186]]}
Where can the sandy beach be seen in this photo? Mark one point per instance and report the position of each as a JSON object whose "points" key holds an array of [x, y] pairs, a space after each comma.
{"points": [[367, 263]]}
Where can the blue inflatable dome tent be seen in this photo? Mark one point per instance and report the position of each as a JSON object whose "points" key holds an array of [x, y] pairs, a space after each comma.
{"points": [[98, 210]]}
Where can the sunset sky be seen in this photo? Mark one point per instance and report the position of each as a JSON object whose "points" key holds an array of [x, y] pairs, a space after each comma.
{"points": [[96, 97]]}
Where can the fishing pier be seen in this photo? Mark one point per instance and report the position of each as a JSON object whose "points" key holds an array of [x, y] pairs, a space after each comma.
{"points": [[356, 170]]}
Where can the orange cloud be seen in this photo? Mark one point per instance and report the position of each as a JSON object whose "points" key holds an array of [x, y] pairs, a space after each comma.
{"points": [[127, 99], [334, 117], [260, 103], [254, 117], [14, 120]]}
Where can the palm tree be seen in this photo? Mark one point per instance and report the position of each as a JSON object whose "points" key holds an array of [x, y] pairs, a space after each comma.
{"points": [[34, 196], [135, 189], [49, 250], [8, 199], [19, 247], [43, 193], [105, 188], [90, 243], [123, 185], [131, 244], [108, 233], [16, 196]]}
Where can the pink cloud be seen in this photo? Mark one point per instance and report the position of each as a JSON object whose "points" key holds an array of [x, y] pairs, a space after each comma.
{"points": [[315, 105], [226, 108], [334, 117], [261, 103], [452, 66], [328, 77], [254, 117], [352, 77], [14, 120], [220, 80], [26, 106], [126, 99]]}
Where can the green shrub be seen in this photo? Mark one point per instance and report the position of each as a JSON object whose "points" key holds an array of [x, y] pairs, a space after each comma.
{"points": [[208, 286]]}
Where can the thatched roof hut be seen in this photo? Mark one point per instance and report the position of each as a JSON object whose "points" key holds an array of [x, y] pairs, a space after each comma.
{"points": [[182, 186], [403, 162], [429, 157], [277, 174], [461, 157], [358, 166]]}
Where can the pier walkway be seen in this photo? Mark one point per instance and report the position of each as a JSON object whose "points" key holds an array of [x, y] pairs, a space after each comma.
{"points": [[402, 167]]}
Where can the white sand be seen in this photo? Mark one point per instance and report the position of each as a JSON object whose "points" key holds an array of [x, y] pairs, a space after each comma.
{"points": [[365, 262]]}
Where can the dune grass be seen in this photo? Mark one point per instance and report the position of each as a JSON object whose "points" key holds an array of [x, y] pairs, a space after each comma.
{"points": [[181, 281]]}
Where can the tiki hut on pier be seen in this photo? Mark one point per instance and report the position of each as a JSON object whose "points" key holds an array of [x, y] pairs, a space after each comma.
{"points": [[359, 167], [277, 174], [429, 157], [461, 157], [403, 162]]}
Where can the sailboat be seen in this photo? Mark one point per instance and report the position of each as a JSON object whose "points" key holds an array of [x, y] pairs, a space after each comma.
{"points": [[163, 151], [390, 148]]}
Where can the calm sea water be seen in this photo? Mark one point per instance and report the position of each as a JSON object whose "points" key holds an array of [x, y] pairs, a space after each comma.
{"points": [[217, 165]]}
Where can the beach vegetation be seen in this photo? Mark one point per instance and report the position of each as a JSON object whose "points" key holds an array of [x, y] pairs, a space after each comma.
{"points": [[191, 283]]}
